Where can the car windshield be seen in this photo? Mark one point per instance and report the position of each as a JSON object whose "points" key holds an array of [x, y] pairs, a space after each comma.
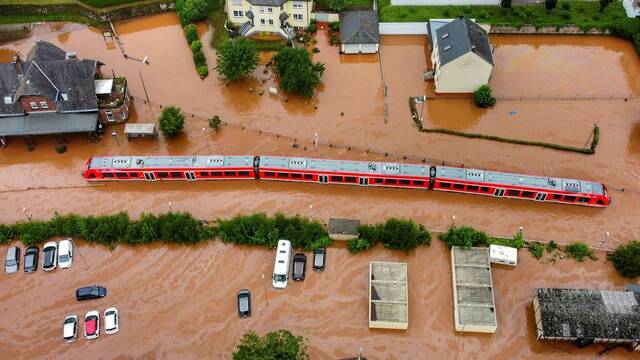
{"points": [[69, 321], [299, 265], [29, 260], [110, 313], [244, 303], [319, 259], [64, 258], [279, 277]]}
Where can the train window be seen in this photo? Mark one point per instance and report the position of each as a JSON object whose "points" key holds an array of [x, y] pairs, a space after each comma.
{"points": [[336, 178], [376, 181], [513, 192], [122, 175], [163, 174], [308, 177], [107, 175], [204, 173], [134, 174], [472, 187], [243, 173], [484, 189], [269, 174], [390, 181], [216, 173], [176, 174], [583, 199], [569, 198], [444, 185], [296, 176], [229, 173], [405, 182], [418, 182], [283, 175], [528, 194], [557, 197], [350, 179], [458, 186]]}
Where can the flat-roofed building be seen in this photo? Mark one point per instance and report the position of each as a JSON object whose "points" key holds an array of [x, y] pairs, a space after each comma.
{"points": [[388, 295]]}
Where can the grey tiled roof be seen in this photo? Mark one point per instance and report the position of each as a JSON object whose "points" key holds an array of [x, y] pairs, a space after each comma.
{"points": [[8, 85], [45, 51], [460, 37], [267, 2], [48, 123], [359, 27]]}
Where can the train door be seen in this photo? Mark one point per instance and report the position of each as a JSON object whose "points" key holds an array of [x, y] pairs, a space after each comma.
{"points": [[364, 182], [541, 196], [149, 176], [323, 179], [498, 192], [190, 176]]}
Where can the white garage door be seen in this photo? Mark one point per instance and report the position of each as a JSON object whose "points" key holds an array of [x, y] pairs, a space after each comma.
{"points": [[351, 48], [369, 48]]}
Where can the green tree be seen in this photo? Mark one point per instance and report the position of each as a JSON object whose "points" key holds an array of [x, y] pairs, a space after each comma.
{"points": [[483, 97], [298, 74], [505, 3], [604, 4], [236, 59], [464, 236], [191, 33], [192, 10], [580, 251], [6, 234], [550, 4], [280, 344], [215, 122], [626, 259], [171, 121], [338, 5], [196, 46]]}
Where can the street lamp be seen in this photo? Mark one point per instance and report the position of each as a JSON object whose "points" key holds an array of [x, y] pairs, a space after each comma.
{"points": [[605, 237], [170, 209], [521, 231], [453, 221], [24, 211]]}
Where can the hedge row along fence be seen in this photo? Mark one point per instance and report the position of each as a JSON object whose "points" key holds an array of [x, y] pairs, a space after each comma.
{"points": [[595, 136], [394, 234]]}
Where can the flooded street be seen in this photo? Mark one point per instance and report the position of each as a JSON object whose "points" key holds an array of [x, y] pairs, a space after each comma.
{"points": [[179, 301]]}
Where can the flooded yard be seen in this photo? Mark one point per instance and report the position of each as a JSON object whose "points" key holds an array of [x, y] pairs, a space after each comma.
{"points": [[179, 301]]}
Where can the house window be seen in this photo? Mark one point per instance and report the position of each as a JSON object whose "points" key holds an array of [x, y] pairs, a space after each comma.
{"points": [[109, 114], [270, 10], [445, 35], [236, 2], [44, 105], [447, 48], [7, 100], [262, 10], [237, 13], [262, 21], [65, 97], [297, 5], [270, 21], [34, 105], [297, 17]]}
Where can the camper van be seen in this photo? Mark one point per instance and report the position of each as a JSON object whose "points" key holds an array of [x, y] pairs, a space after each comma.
{"points": [[281, 267], [503, 255]]}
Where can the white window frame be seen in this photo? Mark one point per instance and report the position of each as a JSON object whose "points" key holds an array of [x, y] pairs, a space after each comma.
{"points": [[271, 22], [297, 6], [109, 114], [262, 22], [262, 9], [34, 105], [298, 17], [238, 13], [270, 10], [44, 105]]}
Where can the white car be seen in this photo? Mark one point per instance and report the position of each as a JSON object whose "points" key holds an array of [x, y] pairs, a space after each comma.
{"points": [[65, 253], [92, 325], [50, 256], [70, 328], [111, 321]]}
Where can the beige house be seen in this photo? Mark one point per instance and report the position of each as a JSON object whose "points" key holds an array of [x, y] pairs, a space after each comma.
{"points": [[279, 17], [461, 56]]}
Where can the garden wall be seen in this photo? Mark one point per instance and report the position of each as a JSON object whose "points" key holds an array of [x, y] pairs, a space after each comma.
{"points": [[529, 29], [403, 28], [325, 17]]}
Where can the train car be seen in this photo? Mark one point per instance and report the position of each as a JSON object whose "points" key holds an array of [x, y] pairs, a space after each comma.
{"points": [[152, 168]]}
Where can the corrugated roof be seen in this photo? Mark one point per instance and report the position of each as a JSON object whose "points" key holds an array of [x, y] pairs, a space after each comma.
{"points": [[48, 123], [359, 27], [460, 37]]}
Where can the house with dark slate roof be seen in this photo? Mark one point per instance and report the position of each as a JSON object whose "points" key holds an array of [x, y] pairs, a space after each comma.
{"points": [[278, 17], [54, 92], [359, 32], [461, 55]]}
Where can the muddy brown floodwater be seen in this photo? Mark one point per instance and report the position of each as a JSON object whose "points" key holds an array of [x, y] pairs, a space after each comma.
{"points": [[185, 307]]}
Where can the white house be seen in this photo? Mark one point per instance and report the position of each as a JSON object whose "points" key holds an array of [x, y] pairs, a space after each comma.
{"points": [[359, 32], [461, 56], [279, 17]]}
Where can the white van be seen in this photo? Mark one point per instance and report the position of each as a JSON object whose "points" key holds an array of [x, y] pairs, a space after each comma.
{"points": [[281, 267], [65, 253]]}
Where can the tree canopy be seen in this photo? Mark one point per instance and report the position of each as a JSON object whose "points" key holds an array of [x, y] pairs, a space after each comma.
{"points": [[298, 74], [171, 121], [191, 10], [280, 344], [483, 97], [626, 259], [338, 5], [236, 59]]}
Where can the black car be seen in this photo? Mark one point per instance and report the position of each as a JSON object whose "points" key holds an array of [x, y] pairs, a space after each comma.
{"points": [[319, 259], [299, 266], [244, 303], [31, 259], [90, 292]]}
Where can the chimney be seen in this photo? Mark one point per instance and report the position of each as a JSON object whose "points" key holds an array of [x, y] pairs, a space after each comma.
{"points": [[71, 55]]}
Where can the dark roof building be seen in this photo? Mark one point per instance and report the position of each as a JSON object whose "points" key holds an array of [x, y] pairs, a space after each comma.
{"points": [[460, 37], [359, 31], [588, 316]]}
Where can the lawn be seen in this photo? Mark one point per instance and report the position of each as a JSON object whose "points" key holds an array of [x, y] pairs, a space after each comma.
{"points": [[94, 3], [67, 17], [353, 4]]}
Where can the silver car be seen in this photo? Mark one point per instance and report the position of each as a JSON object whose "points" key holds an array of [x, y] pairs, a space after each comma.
{"points": [[12, 261]]}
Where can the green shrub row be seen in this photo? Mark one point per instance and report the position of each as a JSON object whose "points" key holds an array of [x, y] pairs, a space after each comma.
{"points": [[590, 150], [190, 11], [626, 259], [394, 234], [466, 236]]}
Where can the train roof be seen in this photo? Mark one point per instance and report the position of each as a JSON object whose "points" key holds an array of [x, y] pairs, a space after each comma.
{"points": [[143, 162], [373, 168]]}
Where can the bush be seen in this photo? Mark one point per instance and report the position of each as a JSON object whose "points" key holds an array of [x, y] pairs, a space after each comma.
{"points": [[516, 242], [359, 244], [143, 231], [566, 6], [552, 246], [338, 5], [604, 4], [191, 11], [550, 4], [280, 344], [464, 236], [203, 71], [313, 27], [483, 97], [626, 259], [191, 33], [395, 234], [180, 227], [196, 47], [215, 123], [61, 149], [334, 26], [199, 59], [505, 3], [236, 59], [536, 249], [171, 121], [105, 229], [579, 251], [6, 234], [34, 232], [297, 73]]}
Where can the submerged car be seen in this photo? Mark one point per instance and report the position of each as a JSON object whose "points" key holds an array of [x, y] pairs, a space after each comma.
{"points": [[244, 303], [319, 259], [65, 254], [49, 256], [90, 292], [299, 266], [111, 321], [70, 328], [91, 325], [31, 259], [12, 260]]}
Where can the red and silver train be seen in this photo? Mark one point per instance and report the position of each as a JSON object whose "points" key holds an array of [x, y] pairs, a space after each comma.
{"points": [[362, 173]]}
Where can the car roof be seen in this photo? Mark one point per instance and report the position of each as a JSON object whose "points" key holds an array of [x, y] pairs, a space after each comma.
{"points": [[12, 251], [64, 245], [109, 321]]}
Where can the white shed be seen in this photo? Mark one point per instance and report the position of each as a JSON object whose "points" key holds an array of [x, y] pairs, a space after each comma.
{"points": [[503, 255]]}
